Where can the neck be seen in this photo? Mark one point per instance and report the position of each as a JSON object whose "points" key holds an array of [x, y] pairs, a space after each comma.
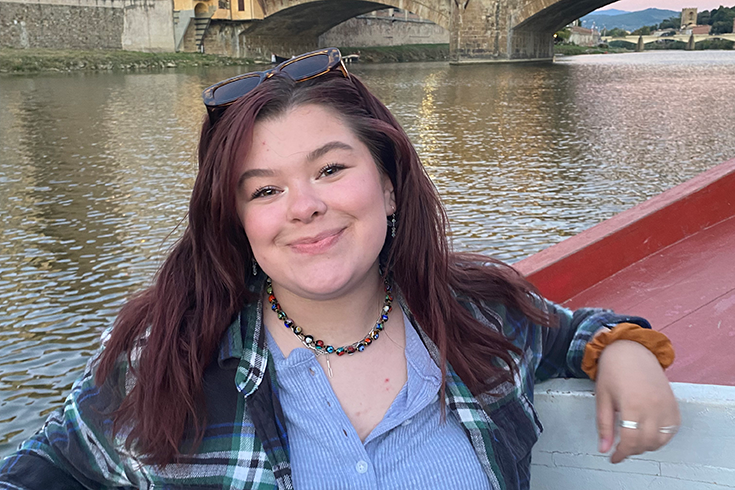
{"points": [[337, 321]]}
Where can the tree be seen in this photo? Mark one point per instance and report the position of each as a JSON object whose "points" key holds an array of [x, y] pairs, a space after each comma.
{"points": [[721, 27], [670, 23], [643, 31], [704, 18], [562, 36], [722, 19], [616, 32]]}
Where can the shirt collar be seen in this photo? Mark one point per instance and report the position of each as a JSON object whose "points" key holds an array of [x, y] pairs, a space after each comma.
{"points": [[244, 343], [232, 344]]}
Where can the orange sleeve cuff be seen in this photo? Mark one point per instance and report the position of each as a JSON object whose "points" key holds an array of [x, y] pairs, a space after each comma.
{"points": [[658, 343]]}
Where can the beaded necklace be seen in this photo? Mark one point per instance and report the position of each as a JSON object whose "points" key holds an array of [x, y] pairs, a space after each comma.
{"points": [[319, 346]]}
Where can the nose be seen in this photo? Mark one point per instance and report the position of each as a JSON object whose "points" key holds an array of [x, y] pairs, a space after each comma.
{"points": [[305, 203]]}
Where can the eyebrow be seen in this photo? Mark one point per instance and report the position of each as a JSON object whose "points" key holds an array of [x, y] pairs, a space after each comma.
{"points": [[323, 150], [313, 155], [255, 172]]}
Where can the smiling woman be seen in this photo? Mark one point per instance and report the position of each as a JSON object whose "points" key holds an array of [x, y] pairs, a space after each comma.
{"points": [[382, 358], [314, 163]]}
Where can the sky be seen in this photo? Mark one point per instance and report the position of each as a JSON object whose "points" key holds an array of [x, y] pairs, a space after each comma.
{"points": [[633, 5]]}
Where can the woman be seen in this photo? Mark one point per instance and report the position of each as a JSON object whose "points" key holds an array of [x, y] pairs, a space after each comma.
{"points": [[312, 328]]}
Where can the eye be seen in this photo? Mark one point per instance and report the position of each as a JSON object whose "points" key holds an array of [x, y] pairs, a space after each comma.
{"points": [[331, 169], [264, 192]]}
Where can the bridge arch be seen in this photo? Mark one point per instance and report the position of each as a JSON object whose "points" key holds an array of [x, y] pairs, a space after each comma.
{"points": [[293, 26], [333, 12], [546, 16]]}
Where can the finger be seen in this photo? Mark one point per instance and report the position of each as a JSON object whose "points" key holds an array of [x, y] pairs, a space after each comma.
{"points": [[666, 433], [627, 446], [631, 439], [605, 421], [650, 437]]}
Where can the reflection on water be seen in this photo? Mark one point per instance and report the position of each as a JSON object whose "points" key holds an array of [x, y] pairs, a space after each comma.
{"points": [[96, 170]]}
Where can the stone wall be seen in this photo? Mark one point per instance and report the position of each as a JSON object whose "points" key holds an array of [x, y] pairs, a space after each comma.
{"points": [[364, 31], [135, 25], [231, 38], [60, 26], [149, 26]]}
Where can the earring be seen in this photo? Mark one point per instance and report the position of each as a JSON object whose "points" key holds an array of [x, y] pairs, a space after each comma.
{"points": [[255, 267], [393, 225]]}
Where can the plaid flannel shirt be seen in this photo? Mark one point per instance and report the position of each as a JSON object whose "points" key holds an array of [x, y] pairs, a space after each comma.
{"points": [[245, 445]]}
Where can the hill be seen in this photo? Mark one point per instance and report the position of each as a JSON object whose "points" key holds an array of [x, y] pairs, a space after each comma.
{"points": [[629, 21], [611, 12]]}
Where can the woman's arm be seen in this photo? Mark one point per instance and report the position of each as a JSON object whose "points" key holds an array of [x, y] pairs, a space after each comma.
{"points": [[631, 385]]}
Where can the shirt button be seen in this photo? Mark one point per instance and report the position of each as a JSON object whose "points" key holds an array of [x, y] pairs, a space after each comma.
{"points": [[312, 372], [361, 466]]}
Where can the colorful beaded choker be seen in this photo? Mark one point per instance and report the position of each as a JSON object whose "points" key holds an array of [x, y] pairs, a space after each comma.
{"points": [[319, 346]]}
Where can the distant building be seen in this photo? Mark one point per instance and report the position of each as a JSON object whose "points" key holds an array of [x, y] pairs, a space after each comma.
{"points": [[697, 30], [584, 37], [688, 17]]}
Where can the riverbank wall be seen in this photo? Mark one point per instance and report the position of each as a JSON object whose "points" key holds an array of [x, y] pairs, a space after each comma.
{"points": [[34, 60], [132, 25], [384, 29]]}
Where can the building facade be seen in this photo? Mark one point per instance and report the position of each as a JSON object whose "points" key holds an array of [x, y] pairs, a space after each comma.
{"points": [[688, 17]]}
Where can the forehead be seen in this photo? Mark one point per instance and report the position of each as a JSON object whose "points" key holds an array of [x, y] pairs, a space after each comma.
{"points": [[299, 130]]}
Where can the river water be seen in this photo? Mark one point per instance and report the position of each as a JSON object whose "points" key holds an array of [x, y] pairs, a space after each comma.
{"points": [[96, 170]]}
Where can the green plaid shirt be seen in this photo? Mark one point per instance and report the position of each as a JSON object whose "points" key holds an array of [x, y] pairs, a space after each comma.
{"points": [[245, 443]]}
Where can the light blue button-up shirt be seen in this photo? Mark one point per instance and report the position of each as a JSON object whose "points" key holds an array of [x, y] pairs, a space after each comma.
{"points": [[409, 448]]}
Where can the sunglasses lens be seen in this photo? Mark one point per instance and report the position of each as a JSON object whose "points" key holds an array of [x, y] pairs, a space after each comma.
{"points": [[234, 90], [307, 67]]}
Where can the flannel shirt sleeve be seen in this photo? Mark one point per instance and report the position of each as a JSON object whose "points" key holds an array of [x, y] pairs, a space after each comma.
{"points": [[560, 348], [74, 449]]}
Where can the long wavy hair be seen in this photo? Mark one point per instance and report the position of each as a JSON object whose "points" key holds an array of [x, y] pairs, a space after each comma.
{"points": [[203, 283]]}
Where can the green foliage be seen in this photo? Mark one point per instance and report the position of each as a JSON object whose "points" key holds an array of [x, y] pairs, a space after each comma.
{"points": [[622, 45], [721, 27], [715, 44], [666, 44], [704, 18], [644, 31], [573, 49], [721, 20], [722, 14], [562, 36], [393, 54], [671, 23], [615, 32], [65, 60]]}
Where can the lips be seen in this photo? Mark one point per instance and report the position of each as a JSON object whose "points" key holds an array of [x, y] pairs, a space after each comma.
{"points": [[317, 243]]}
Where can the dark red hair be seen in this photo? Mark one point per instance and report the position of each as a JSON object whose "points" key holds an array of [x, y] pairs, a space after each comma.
{"points": [[202, 284]]}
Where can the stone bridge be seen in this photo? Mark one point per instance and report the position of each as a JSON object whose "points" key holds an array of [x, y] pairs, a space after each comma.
{"points": [[480, 30], [678, 37]]}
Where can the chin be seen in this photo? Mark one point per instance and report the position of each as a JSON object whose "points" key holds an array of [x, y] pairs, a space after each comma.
{"points": [[323, 286], [326, 281]]}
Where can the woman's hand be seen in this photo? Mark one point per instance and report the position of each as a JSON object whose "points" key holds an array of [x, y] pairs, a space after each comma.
{"points": [[631, 383]]}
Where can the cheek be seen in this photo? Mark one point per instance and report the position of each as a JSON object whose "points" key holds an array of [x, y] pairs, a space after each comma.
{"points": [[365, 196], [258, 227]]}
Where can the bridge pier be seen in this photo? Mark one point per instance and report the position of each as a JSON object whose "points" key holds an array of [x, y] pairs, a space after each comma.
{"points": [[640, 47], [482, 31]]}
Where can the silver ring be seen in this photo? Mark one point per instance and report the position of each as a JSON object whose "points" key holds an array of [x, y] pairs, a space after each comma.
{"points": [[669, 429], [628, 424]]}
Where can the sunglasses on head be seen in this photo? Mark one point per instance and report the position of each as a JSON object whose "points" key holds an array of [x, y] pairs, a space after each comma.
{"points": [[299, 68]]}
